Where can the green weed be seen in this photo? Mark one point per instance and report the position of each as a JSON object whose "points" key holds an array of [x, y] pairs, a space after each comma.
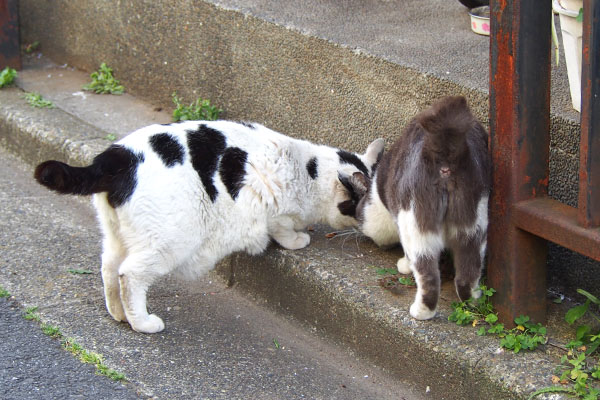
{"points": [[31, 314], [79, 271], [103, 82], [111, 137], [7, 76], [30, 48], [386, 271], [580, 366], [51, 330], [89, 357], [391, 279], [524, 336], [36, 100], [73, 347], [4, 293], [198, 110]]}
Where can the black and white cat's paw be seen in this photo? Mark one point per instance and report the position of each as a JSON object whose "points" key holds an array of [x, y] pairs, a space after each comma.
{"points": [[403, 265], [148, 324], [293, 240], [420, 311], [115, 309]]}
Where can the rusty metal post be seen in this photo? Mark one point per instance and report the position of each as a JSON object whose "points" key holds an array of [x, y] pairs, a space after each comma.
{"points": [[520, 140], [589, 152], [10, 55]]}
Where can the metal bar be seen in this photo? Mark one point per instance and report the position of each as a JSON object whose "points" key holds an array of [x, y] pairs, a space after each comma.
{"points": [[10, 55], [589, 152], [519, 128], [557, 222]]}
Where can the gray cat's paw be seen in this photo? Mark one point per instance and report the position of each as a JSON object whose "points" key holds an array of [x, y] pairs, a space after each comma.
{"points": [[420, 311], [403, 265]]}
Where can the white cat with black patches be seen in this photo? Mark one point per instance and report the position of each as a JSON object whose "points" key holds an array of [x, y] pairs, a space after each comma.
{"points": [[430, 192], [183, 196]]}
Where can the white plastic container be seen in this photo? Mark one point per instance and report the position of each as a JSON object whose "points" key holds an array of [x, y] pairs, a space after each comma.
{"points": [[480, 20], [572, 43]]}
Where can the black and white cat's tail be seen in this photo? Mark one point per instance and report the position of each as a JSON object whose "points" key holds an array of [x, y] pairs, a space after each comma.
{"points": [[105, 174]]}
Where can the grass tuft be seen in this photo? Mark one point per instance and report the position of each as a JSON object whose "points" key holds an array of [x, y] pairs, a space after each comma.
{"points": [[198, 110], [36, 100], [7, 77], [103, 82]]}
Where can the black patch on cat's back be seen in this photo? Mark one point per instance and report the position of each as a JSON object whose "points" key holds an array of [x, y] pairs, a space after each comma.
{"points": [[349, 158], [118, 166], [233, 170], [206, 145], [311, 167], [168, 149]]}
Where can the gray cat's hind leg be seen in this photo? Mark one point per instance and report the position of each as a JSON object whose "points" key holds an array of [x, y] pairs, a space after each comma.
{"points": [[468, 255]]}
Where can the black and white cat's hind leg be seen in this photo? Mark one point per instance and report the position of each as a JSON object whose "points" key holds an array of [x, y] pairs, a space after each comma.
{"points": [[282, 229]]}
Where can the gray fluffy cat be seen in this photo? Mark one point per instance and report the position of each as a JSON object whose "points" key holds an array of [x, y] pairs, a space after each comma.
{"points": [[430, 192]]}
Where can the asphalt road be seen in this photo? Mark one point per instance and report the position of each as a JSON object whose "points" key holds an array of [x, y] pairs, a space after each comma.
{"points": [[219, 343]]}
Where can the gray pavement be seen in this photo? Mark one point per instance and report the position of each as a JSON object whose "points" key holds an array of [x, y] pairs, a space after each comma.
{"points": [[218, 342], [35, 366]]}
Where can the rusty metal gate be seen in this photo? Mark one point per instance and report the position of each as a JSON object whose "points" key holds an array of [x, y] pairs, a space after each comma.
{"points": [[522, 216], [9, 34]]}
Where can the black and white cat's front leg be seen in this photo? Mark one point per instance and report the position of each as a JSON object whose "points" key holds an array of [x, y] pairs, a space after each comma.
{"points": [[283, 230], [421, 254]]}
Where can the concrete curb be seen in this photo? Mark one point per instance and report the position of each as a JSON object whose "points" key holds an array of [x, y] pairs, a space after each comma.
{"points": [[331, 286]]}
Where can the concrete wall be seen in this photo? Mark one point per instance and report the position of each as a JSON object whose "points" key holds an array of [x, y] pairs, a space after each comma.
{"points": [[255, 70]]}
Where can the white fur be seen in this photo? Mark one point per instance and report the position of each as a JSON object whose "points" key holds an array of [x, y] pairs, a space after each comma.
{"points": [[169, 223], [378, 223]]}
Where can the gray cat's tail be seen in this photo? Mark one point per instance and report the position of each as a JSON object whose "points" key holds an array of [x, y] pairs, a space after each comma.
{"points": [[448, 121], [107, 173]]}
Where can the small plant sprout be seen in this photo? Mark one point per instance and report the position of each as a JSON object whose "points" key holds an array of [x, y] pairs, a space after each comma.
{"points": [[31, 314], [391, 279], [524, 336], [103, 82], [7, 77], [36, 100], [201, 109], [79, 271], [89, 357], [111, 137], [51, 330], [4, 293], [276, 343], [31, 47], [73, 347]]}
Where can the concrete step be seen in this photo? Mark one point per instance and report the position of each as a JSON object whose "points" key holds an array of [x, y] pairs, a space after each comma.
{"points": [[332, 286]]}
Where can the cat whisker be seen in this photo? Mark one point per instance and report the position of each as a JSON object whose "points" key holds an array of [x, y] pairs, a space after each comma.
{"points": [[357, 235]]}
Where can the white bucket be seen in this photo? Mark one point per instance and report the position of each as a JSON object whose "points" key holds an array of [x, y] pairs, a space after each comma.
{"points": [[572, 43]]}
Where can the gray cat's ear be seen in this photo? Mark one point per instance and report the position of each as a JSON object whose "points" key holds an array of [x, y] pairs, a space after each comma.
{"points": [[357, 184], [374, 151]]}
